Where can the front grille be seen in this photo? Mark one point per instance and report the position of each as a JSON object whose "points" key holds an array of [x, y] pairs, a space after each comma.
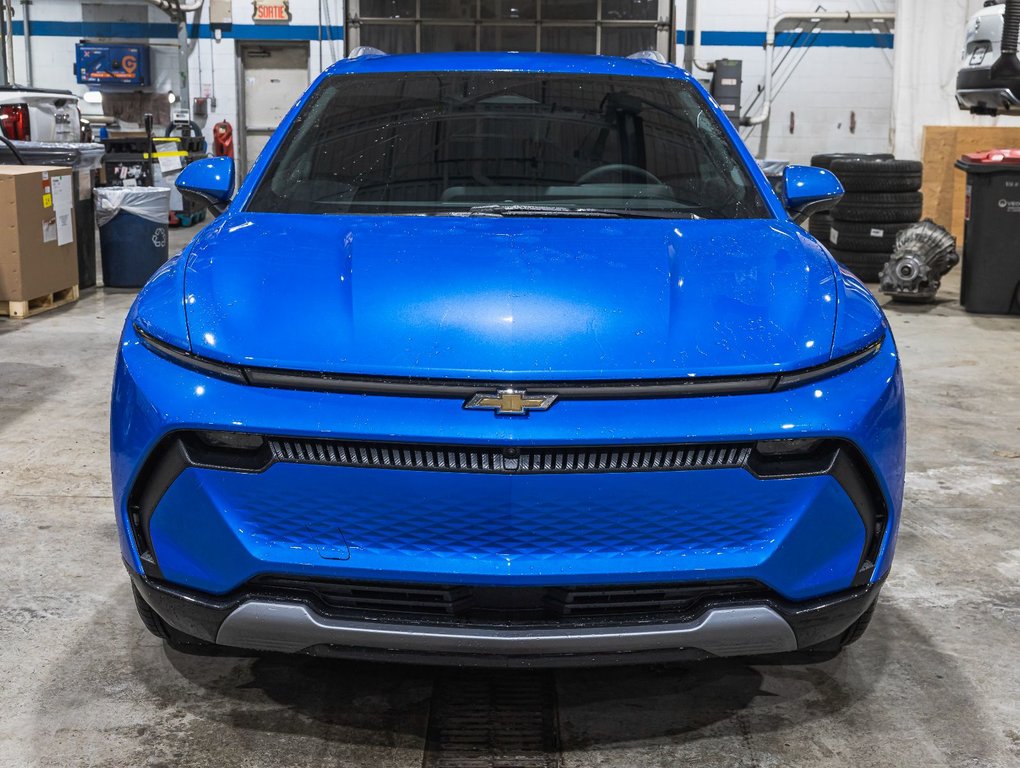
{"points": [[504, 605], [510, 460]]}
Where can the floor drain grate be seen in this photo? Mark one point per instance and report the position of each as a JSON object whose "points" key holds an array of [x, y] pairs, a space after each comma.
{"points": [[483, 719]]}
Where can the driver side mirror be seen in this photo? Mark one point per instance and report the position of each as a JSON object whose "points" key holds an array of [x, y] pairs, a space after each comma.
{"points": [[209, 181], [806, 190]]}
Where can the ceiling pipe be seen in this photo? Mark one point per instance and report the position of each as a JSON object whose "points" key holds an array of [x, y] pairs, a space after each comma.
{"points": [[770, 57], [173, 8], [7, 70], [694, 17], [777, 20], [26, 20]]}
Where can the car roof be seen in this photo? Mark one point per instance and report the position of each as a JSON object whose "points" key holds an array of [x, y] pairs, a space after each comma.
{"points": [[507, 62]]}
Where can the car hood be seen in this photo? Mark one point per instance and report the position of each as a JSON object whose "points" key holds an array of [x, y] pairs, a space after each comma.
{"points": [[510, 298]]}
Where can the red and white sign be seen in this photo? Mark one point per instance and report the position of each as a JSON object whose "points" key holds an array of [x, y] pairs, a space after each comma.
{"points": [[271, 10]]}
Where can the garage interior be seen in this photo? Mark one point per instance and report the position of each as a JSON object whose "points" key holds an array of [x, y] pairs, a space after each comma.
{"points": [[933, 683]]}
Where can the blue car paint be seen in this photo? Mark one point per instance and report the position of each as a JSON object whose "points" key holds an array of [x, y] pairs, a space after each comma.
{"points": [[154, 396], [351, 523], [503, 298], [212, 178], [163, 299], [759, 291], [804, 187]]}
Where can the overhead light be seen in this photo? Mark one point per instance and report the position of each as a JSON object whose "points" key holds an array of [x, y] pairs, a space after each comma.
{"points": [[171, 97], [93, 97]]}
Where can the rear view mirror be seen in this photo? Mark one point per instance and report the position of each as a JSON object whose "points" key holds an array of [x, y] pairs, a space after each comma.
{"points": [[210, 181], [806, 191]]}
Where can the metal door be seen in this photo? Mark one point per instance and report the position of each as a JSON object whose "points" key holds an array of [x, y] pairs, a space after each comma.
{"points": [[273, 77], [611, 27]]}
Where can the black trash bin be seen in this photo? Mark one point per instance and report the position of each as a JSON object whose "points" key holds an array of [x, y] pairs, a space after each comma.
{"points": [[85, 161], [991, 248], [132, 233]]}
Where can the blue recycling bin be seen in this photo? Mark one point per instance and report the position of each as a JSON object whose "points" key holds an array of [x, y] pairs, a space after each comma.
{"points": [[132, 233]]}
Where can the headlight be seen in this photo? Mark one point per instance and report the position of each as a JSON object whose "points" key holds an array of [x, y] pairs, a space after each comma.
{"points": [[241, 441], [360, 385], [181, 357], [840, 365], [795, 447]]}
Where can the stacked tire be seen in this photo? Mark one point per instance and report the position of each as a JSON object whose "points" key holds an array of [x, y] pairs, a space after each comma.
{"points": [[882, 199]]}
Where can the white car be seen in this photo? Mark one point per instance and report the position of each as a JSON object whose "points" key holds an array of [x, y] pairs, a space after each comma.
{"points": [[976, 88], [39, 114]]}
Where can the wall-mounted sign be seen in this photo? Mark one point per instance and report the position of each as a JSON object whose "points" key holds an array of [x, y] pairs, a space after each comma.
{"points": [[112, 64], [271, 10]]}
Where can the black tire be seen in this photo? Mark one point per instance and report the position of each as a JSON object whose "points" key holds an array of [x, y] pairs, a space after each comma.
{"points": [[148, 616], [867, 266], [826, 161], [909, 182], [859, 627], [879, 175], [179, 641], [820, 226], [850, 636], [865, 237], [880, 215], [882, 208], [828, 649]]}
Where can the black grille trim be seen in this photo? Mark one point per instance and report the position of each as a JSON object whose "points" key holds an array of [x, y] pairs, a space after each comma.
{"points": [[522, 606], [526, 460]]}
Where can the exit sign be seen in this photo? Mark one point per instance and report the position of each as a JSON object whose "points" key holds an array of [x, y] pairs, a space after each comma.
{"points": [[271, 10]]}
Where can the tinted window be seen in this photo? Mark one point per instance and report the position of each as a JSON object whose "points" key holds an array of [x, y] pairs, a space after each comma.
{"points": [[449, 142]]}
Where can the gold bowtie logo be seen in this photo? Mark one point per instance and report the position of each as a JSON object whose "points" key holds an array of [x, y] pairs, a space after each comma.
{"points": [[510, 402]]}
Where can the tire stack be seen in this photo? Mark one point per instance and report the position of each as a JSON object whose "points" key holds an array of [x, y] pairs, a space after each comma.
{"points": [[882, 199]]}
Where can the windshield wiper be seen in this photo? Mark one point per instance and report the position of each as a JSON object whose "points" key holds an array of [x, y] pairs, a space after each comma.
{"points": [[523, 209]]}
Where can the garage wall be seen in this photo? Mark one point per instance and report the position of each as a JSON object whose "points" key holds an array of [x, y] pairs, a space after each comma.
{"points": [[53, 53], [839, 97], [213, 62], [57, 25], [838, 86]]}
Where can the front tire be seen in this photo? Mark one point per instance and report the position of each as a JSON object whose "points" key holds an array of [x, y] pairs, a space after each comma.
{"points": [[827, 650], [849, 636], [179, 641]]}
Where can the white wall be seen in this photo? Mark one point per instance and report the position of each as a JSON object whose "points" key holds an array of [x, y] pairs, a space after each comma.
{"points": [[830, 88], [839, 98], [52, 57], [213, 63]]}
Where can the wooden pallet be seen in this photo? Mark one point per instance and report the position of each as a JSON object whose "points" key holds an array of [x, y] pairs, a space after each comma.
{"points": [[18, 310]]}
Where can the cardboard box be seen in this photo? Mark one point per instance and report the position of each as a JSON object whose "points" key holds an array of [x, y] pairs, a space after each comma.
{"points": [[945, 187], [38, 255]]}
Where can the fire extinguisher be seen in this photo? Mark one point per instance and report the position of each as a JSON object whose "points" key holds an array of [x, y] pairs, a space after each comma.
{"points": [[223, 139]]}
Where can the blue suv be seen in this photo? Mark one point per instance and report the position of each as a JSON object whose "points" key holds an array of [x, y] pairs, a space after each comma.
{"points": [[507, 359]]}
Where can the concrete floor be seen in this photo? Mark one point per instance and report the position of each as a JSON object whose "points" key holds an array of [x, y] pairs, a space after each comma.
{"points": [[934, 683]]}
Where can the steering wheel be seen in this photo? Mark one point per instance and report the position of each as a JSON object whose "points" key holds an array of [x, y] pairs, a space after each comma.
{"points": [[621, 168]]}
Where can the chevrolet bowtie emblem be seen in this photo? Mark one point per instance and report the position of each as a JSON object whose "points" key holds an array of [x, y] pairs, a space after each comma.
{"points": [[510, 402]]}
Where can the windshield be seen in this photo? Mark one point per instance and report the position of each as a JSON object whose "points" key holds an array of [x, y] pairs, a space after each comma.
{"points": [[482, 143]]}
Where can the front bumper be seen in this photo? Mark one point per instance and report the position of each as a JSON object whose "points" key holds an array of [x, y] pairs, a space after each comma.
{"points": [[212, 530], [257, 619]]}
